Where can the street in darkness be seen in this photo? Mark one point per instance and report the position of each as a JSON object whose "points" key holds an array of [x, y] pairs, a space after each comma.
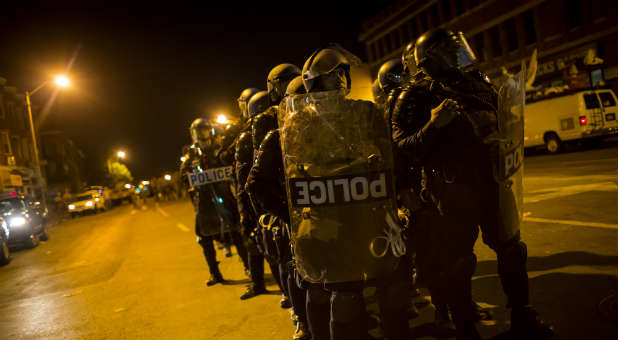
{"points": [[138, 273]]}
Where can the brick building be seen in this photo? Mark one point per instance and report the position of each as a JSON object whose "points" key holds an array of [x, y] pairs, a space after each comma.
{"points": [[576, 40], [16, 150]]}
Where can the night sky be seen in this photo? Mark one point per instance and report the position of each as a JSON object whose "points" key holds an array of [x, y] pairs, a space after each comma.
{"points": [[141, 74]]}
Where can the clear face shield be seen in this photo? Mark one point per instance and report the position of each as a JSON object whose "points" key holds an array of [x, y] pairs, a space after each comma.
{"points": [[242, 106], [275, 93], [458, 48], [204, 137], [453, 52]]}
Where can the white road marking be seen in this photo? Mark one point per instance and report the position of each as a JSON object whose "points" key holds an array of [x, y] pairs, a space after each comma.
{"points": [[73, 293], [144, 207], [182, 227], [571, 222], [569, 190], [120, 309], [133, 212], [161, 211]]}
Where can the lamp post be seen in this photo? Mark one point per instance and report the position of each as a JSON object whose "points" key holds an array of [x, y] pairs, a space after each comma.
{"points": [[61, 81]]}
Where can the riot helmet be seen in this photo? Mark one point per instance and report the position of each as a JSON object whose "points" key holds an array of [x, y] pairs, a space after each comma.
{"points": [[258, 103], [262, 124], [202, 133], [243, 100], [438, 51], [407, 59], [278, 79], [326, 69], [295, 87], [390, 75]]}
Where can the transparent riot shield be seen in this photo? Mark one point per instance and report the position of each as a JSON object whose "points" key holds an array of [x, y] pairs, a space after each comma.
{"points": [[509, 143], [338, 163]]}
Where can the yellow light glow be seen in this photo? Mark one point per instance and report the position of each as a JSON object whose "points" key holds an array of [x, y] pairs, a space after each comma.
{"points": [[183, 158], [128, 186], [168, 177], [62, 81], [222, 119], [121, 154], [145, 182]]}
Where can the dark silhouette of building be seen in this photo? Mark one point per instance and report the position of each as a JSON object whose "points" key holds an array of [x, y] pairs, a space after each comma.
{"points": [[576, 39], [64, 168]]}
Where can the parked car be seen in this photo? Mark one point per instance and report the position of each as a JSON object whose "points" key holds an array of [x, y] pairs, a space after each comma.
{"points": [[587, 114], [26, 220], [5, 254], [103, 191], [89, 201]]}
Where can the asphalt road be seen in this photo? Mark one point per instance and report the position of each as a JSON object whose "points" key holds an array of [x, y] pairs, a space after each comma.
{"points": [[138, 273]]}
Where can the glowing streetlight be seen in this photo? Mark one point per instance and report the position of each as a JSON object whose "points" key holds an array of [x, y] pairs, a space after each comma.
{"points": [[167, 177], [145, 182], [183, 158], [62, 81], [222, 119], [121, 154]]}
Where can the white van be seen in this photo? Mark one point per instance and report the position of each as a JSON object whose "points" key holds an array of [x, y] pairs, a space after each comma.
{"points": [[582, 114]]}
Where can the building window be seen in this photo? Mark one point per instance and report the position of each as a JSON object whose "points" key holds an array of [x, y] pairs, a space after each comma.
{"points": [[573, 13], [510, 29], [479, 46], [6, 142], [386, 44], [434, 16], [446, 9], [494, 40], [596, 78], [423, 20], [529, 28], [413, 29], [404, 33], [376, 50], [459, 6]]}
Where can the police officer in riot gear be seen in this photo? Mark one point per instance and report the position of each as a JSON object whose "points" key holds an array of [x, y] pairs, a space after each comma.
{"points": [[442, 122], [266, 186], [210, 212], [337, 235], [243, 160]]}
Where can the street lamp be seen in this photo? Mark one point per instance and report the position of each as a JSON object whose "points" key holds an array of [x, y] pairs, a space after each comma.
{"points": [[121, 154], [183, 158], [168, 177], [222, 119], [60, 81]]}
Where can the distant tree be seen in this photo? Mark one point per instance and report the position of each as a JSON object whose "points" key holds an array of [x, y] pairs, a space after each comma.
{"points": [[119, 173]]}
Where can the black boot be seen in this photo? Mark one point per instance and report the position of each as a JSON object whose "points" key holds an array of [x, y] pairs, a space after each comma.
{"points": [[525, 324], [214, 279], [252, 291]]}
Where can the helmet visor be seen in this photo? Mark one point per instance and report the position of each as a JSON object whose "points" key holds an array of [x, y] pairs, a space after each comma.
{"points": [[458, 46]]}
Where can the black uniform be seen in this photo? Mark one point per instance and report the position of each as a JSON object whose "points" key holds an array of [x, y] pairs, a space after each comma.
{"points": [[210, 214], [459, 181], [243, 162], [262, 124]]}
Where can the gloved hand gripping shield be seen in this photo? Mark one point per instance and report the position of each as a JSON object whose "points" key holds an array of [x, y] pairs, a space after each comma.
{"points": [[508, 165], [338, 163]]}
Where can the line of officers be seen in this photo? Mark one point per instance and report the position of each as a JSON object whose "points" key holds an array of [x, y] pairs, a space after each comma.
{"points": [[413, 185]]}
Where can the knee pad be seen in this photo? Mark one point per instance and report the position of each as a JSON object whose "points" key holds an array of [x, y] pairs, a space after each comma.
{"points": [[346, 306], [513, 255], [317, 295]]}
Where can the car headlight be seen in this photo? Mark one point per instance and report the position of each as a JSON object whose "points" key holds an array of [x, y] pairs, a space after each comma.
{"points": [[6, 228], [71, 207], [17, 221], [89, 204], [96, 199]]}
